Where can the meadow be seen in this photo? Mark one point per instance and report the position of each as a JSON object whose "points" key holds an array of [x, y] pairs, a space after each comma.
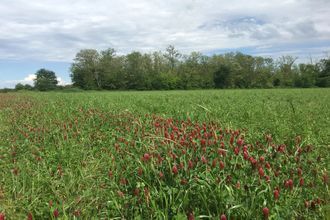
{"points": [[203, 154]]}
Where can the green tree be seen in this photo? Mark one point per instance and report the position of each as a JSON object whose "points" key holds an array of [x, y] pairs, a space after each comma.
{"points": [[263, 72], [45, 80], [307, 75], [172, 55], [28, 87], [19, 86], [194, 72], [137, 71], [85, 70], [108, 69], [158, 68], [286, 71], [221, 76], [323, 78]]}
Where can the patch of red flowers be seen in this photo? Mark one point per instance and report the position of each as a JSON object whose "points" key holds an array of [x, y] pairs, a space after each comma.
{"points": [[56, 213], [265, 211]]}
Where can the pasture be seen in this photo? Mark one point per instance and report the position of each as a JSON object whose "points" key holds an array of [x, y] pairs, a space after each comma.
{"points": [[203, 154]]}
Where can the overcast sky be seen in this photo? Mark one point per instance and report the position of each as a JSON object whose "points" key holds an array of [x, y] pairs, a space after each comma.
{"points": [[48, 33]]}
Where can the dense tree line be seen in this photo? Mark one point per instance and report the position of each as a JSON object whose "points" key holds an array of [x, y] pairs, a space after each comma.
{"points": [[172, 70]]}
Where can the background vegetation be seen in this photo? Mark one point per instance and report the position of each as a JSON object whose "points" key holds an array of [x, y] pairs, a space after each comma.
{"points": [[172, 70], [169, 70]]}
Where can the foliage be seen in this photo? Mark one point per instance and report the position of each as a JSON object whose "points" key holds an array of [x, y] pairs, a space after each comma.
{"points": [[323, 79], [172, 70], [20, 86], [243, 154], [45, 80]]}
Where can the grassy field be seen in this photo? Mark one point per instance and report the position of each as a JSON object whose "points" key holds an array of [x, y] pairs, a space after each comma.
{"points": [[209, 154]]}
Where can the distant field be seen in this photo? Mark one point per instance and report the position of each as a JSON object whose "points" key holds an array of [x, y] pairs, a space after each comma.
{"points": [[165, 154]]}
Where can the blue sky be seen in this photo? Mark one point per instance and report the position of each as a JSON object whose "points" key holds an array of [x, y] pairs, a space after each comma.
{"points": [[22, 71], [47, 34]]}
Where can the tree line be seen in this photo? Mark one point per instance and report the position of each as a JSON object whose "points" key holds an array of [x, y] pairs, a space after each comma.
{"points": [[105, 70], [92, 69]]}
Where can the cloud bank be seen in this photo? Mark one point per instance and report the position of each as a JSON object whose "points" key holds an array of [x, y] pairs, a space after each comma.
{"points": [[57, 30]]}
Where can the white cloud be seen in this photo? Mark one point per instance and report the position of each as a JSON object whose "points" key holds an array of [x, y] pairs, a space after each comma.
{"points": [[28, 80], [44, 30], [61, 82], [11, 83]]}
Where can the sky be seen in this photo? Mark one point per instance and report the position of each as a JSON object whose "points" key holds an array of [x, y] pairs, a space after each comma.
{"points": [[48, 33]]}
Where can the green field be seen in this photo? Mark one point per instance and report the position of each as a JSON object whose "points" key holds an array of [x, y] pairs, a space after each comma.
{"points": [[157, 155]]}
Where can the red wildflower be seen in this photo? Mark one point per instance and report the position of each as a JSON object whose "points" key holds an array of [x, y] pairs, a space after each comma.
{"points": [[221, 165], [265, 211], [261, 172], [146, 157], [267, 179], [240, 142], [267, 165], [191, 216], [253, 161], [2, 216], [203, 142], [174, 170], [190, 164], [30, 216], [203, 159], [289, 184], [281, 148], [161, 175], [245, 148], [246, 155], [261, 159], [276, 194], [301, 181], [231, 140], [223, 217], [56, 213], [236, 150]]}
